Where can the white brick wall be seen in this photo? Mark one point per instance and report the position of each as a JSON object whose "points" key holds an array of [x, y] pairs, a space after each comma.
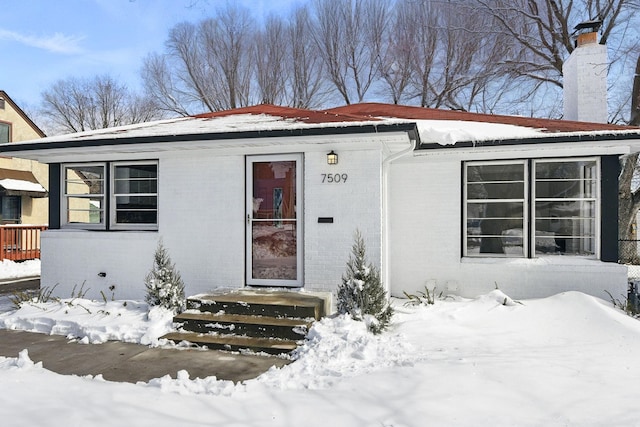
{"points": [[425, 246], [354, 204], [202, 223], [74, 259]]}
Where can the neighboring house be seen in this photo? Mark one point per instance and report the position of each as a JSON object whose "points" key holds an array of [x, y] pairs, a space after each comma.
{"points": [[271, 196], [23, 182]]}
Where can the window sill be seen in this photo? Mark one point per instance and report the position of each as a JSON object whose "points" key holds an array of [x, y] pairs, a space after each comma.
{"points": [[543, 260]]}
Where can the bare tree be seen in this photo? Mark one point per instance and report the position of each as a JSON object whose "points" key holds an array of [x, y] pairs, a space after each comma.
{"points": [[229, 52], [635, 97], [270, 63], [75, 105], [206, 66], [395, 62], [542, 31], [306, 67], [421, 23], [348, 34], [453, 59], [161, 85]]}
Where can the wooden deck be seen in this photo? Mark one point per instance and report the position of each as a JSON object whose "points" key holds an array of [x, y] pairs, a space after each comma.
{"points": [[20, 242]]}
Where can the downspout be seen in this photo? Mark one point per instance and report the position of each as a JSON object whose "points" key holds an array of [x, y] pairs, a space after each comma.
{"points": [[413, 139]]}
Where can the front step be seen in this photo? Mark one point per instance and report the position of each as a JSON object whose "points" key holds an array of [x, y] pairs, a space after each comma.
{"points": [[272, 322], [234, 342], [273, 304], [239, 324]]}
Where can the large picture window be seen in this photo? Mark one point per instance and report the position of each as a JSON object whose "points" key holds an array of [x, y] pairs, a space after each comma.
{"points": [[530, 208], [131, 190]]}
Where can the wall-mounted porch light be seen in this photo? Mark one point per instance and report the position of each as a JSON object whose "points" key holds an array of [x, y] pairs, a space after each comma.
{"points": [[332, 158]]}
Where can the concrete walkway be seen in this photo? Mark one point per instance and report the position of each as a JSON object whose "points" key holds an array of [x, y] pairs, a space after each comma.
{"points": [[125, 362]]}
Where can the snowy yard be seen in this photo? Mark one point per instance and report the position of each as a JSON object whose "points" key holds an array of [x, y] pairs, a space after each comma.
{"points": [[566, 360]]}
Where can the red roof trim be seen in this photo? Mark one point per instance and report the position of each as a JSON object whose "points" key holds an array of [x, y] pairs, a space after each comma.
{"points": [[298, 114]]}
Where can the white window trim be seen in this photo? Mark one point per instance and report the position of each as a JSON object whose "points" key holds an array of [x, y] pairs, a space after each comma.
{"points": [[530, 203], [65, 198], [113, 225]]}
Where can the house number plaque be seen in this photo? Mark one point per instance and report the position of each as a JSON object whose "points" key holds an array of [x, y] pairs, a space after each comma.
{"points": [[331, 178]]}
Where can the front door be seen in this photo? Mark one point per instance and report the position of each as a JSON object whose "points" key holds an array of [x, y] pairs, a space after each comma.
{"points": [[274, 222]]}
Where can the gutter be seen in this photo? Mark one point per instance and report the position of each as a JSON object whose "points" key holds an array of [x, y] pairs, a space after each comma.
{"points": [[414, 140], [560, 138]]}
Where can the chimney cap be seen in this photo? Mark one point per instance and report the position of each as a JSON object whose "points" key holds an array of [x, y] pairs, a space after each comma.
{"points": [[593, 25]]}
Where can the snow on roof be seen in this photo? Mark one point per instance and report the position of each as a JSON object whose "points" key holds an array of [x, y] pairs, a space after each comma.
{"points": [[443, 127], [449, 132], [20, 185]]}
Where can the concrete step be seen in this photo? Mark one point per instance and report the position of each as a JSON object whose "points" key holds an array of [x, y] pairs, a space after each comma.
{"points": [[239, 324], [234, 342], [257, 303]]}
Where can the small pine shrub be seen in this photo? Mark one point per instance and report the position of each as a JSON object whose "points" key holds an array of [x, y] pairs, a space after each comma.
{"points": [[361, 294], [164, 284]]}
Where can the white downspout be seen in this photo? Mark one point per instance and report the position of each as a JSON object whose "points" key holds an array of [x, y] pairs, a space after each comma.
{"points": [[385, 206]]}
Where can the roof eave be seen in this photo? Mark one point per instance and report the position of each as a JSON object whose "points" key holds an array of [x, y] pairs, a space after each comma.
{"points": [[530, 141], [142, 140]]}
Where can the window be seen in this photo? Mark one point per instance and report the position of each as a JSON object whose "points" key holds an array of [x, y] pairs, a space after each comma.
{"points": [[5, 132], [84, 198], [131, 193], [531, 207], [566, 207], [134, 195], [10, 209]]}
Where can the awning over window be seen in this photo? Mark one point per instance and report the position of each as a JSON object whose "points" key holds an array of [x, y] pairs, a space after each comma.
{"points": [[20, 183]]}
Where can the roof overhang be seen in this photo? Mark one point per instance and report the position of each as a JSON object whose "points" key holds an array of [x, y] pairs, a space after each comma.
{"points": [[50, 152]]}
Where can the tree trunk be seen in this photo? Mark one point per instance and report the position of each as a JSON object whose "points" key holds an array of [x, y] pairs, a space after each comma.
{"points": [[635, 97], [628, 204]]}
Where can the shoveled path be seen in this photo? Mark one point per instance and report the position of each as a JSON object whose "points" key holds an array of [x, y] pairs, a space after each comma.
{"points": [[125, 362]]}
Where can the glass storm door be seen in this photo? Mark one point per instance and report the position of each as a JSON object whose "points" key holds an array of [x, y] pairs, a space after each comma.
{"points": [[274, 227]]}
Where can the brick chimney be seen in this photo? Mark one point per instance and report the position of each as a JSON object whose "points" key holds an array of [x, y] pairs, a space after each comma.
{"points": [[585, 77]]}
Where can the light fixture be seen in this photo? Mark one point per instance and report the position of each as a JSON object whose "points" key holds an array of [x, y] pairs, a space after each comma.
{"points": [[332, 158]]}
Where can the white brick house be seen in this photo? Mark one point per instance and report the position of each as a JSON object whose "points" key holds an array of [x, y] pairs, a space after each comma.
{"points": [[458, 201]]}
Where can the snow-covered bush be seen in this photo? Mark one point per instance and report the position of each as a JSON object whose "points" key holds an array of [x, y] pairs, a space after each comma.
{"points": [[164, 284], [361, 294]]}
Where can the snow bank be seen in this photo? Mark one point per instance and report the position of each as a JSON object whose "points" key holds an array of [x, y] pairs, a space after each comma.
{"points": [[92, 321], [12, 270], [570, 359]]}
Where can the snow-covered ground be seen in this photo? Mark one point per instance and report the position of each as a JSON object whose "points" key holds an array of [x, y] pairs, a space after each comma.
{"points": [[570, 359], [16, 270]]}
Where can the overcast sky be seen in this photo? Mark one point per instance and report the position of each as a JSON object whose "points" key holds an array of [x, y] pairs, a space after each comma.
{"points": [[43, 41]]}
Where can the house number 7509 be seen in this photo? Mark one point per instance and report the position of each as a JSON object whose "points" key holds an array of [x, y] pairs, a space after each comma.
{"points": [[329, 178]]}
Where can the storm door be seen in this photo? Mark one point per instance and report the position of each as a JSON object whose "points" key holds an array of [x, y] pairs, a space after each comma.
{"points": [[274, 224]]}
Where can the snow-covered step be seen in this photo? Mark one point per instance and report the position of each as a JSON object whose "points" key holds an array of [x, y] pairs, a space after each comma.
{"points": [[234, 342], [257, 303], [240, 324]]}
